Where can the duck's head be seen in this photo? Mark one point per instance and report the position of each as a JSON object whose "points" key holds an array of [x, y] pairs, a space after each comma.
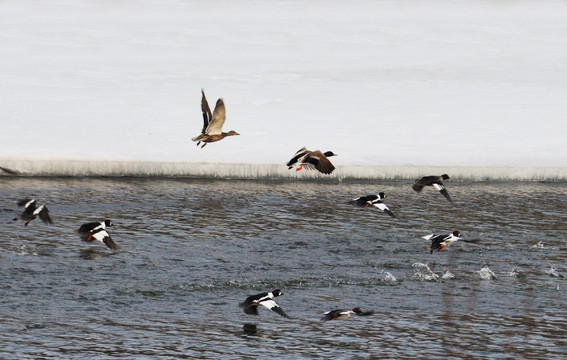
{"points": [[329, 154], [382, 195], [456, 233], [445, 177], [108, 222], [232, 133], [277, 292], [356, 310]]}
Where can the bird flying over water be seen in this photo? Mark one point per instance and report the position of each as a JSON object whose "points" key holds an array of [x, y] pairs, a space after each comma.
{"points": [[341, 314], [250, 305], [435, 181], [212, 123], [97, 231], [440, 242], [31, 211], [374, 200], [312, 160]]}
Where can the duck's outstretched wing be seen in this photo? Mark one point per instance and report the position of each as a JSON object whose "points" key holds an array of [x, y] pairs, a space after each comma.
{"points": [[24, 202], [272, 305], [298, 155], [317, 160], [44, 215], [103, 236], [207, 117], [380, 205], [439, 186], [219, 116], [110, 243]]}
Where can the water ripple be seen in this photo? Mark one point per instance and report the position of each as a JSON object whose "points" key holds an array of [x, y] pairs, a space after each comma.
{"points": [[193, 249]]}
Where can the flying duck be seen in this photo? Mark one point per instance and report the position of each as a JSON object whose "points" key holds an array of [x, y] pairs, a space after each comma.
{"points": [[440, 242], [312, 160], [250, 305], [435, 181], [212, 127], [31, 211], [97, 231], [374, 200], [341, 314]]}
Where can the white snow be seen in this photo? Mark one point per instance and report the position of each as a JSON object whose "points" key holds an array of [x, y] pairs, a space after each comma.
{"points": [[381, 83]]}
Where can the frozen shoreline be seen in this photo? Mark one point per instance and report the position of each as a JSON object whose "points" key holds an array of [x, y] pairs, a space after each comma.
{"points": [[114, 168]]}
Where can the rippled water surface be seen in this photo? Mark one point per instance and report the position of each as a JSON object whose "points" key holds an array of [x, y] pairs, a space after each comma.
{"points": [[193, 249]]}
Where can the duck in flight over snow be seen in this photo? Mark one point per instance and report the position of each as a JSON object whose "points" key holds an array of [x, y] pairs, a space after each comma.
{"points": [[312, 160], [212, 123]]}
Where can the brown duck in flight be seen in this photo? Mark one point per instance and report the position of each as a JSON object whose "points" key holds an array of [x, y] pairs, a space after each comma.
{"points": [[212, 127], [312, 160]]}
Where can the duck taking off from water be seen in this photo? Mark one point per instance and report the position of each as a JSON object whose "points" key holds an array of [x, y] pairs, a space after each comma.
{"points": [[435, 181], [312, 160], [374, 200], [212, 123], [31, 211]]}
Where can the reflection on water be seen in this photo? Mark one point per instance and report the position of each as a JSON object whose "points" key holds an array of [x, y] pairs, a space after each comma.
{"points": [[249, 329], [191, 250]]}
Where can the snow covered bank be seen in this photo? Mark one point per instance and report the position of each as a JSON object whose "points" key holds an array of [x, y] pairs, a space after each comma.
{"points": [[80, 168], [381, 83]]}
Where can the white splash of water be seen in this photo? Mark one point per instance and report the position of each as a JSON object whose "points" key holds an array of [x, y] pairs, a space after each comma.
{"points": [[539, 245], [553, 272], [486, 274], [448, 275], [516, 273], [424, 273], [388, 277], [28, 250]]}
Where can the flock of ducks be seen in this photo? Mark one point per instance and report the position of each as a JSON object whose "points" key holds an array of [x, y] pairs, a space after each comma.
{"points": [[303, 158], [87, 232]]}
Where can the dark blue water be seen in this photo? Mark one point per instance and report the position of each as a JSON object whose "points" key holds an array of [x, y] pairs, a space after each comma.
{"points": [[193, 249]]}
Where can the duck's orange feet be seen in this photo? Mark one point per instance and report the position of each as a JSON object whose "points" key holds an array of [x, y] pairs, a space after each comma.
{"points": [[203, 145], [89, 237], [299, 168]]}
